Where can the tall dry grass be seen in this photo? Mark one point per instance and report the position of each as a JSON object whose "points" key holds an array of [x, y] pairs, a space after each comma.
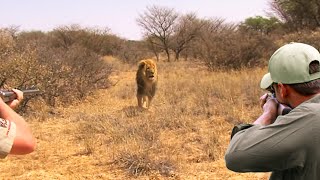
{"points": [[183, 136]]}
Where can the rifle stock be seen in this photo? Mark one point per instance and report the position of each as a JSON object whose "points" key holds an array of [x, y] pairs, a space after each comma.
{"points": [[7, 95]]}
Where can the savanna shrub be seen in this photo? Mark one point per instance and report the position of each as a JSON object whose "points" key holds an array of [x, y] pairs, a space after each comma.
{"points": [[63, 73], [235, 50]]}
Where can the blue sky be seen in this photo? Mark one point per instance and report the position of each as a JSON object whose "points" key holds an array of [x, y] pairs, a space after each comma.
{"points": [[119, 15]]}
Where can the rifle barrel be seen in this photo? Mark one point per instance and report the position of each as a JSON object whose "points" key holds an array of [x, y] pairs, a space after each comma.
{"points": [[10, 95]]}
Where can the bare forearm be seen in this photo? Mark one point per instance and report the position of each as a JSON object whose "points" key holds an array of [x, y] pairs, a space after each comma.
{"points": [[265, 119], [24, 141]]}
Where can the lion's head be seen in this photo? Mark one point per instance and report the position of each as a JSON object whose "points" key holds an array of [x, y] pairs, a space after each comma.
{"points": [[149, 70]]}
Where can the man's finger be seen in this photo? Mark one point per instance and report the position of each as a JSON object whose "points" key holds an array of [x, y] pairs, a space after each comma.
{"points": [[263, 99]]}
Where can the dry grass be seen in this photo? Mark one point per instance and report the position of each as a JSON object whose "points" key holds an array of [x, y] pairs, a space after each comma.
{"points": [[183, 136]]}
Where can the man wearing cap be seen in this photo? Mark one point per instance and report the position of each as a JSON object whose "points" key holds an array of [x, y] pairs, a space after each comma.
{"points": [[286, 144]]}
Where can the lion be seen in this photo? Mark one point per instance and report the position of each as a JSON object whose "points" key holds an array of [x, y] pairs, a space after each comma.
{"points": [[147, 79]]}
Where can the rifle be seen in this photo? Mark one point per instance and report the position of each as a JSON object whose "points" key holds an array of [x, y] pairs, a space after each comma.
{"points": [[8, 95]]}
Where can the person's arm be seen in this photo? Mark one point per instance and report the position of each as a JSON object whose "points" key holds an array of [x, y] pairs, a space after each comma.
{"points": [[268, 116], [256, 148], [271, 110], [24, 141]]}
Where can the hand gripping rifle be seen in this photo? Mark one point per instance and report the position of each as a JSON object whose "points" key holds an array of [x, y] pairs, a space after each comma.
{"points": [[8, 95]]}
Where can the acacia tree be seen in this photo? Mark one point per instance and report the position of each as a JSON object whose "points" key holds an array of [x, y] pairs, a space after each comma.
{"points": [[186, 30], [213, 46], [297, 14], [152, 45], [158, 24], [260, 24]]}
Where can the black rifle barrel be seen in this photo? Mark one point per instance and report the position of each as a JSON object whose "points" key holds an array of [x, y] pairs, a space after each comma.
{"points": [[10, 95]]}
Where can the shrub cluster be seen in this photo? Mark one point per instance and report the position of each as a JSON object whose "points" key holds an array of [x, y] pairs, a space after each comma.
{"points": [[59, 63], [234, 50]]}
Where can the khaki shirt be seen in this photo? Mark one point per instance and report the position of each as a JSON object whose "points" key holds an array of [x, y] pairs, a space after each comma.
{"points": [[7, 135], [290, 147]]}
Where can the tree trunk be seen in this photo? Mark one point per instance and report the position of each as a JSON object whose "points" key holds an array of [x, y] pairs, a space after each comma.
{"points": [[168, 54]]}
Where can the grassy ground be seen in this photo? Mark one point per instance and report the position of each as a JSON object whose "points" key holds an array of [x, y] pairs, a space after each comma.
{"points": [[183, 136]]}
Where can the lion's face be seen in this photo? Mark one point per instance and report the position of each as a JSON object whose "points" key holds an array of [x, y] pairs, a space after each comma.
{"points": [[149, 70]]}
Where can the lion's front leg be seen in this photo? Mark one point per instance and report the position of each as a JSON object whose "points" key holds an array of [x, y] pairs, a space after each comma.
{"points": [[140, 100], [149, 101], [145, 102]]}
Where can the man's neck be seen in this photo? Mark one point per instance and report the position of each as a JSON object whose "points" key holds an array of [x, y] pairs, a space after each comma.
{"points": [[296, 99]]}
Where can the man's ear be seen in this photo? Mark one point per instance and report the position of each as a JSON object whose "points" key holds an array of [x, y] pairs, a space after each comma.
{"points": [[283, 90]]}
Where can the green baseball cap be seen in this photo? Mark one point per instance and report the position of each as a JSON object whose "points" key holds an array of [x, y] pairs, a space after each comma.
{"points": [[290, 65]]}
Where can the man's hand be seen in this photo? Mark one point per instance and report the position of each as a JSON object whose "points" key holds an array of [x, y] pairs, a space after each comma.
{"points": [[270, 110], [270, 106], [14, 103]]}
